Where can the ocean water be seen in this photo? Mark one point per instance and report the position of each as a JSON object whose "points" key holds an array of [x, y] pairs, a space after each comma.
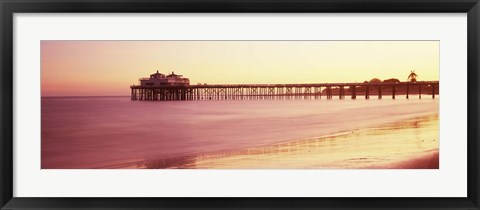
{"points": [[103, 132]]}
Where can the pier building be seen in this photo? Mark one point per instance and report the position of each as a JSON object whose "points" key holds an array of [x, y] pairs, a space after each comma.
{"points": [[158, 80]]}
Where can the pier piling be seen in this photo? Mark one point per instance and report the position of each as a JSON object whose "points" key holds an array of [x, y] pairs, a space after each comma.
{"points": [[379, 92], [353, 91], [419, 91], [408, 88], [393, 91]]}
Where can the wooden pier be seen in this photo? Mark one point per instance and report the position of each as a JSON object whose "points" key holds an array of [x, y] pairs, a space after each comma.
{"points": [[283, 91]]}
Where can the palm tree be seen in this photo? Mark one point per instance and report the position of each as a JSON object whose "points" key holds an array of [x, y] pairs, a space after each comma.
{"points": [[412, 76]]}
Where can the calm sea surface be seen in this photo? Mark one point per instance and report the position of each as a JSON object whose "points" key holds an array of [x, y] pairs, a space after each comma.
{"points": [[101, 132]]}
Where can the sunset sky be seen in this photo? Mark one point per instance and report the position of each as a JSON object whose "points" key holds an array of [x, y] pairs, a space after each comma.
{"points": [[103, 68]]}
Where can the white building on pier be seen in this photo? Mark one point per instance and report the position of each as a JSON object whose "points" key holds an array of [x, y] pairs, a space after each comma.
{"points": [[158, 79]]}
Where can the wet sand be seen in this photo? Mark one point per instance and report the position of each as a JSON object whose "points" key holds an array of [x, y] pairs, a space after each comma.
{"points": [[407, 144], [429, 160]]}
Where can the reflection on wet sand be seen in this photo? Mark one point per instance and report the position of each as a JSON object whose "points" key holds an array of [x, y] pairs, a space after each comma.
{"points": [[378, 147]]}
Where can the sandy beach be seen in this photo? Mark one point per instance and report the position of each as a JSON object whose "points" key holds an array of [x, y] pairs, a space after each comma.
{"points": [[407, 144]]}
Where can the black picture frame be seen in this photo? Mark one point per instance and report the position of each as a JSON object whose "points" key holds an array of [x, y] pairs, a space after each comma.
{"points": [[9, 7]]}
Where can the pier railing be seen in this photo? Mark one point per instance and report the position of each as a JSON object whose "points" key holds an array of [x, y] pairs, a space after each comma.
{"points": [[282, 91]]}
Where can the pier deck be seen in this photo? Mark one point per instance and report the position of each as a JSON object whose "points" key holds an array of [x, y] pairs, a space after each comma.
{"points": [[283, 91]]}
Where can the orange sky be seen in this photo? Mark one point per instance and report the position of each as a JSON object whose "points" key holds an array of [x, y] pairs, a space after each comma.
{"points": [[103, 68]]}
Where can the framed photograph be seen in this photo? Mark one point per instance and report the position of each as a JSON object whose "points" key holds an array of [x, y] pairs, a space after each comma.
{"points": [[239, 105]]}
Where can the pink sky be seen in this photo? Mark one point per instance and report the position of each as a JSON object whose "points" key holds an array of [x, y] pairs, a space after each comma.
{"points": [[103, 68]]}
